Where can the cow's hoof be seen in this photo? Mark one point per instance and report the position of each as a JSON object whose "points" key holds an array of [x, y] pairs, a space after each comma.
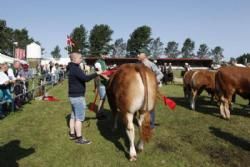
{"points": [[139, 150], [132, 159]]}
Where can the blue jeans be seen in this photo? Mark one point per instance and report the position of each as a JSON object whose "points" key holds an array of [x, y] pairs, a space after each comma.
{"points": [[102, 92], [5, 95], [78, 105]]}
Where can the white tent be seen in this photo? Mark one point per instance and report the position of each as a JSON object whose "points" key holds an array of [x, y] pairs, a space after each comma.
{"points": [[63, 61], [6, 59], [34, 51], [10, 60]]}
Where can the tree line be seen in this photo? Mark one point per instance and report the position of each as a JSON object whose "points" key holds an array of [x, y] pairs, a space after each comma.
{"points": [[99, 40]]}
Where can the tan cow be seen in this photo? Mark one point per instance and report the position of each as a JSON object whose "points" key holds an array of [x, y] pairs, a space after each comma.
{"points": [[133, 88], [229, 81], [202, 80]]}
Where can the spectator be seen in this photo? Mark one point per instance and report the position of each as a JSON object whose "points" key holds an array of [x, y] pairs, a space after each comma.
{"points": [[4, 87], [13, 72], [100, 83], [143, 58]]}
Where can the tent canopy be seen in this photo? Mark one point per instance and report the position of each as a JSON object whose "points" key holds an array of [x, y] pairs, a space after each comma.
{"points": [[10, 60]]}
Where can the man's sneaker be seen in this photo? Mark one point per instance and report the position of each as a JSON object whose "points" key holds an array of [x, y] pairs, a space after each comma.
{"points": [[72, 136], [82, 141]]}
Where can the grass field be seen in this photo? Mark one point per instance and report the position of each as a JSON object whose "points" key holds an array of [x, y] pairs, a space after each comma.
{"points": [[36, 136]]}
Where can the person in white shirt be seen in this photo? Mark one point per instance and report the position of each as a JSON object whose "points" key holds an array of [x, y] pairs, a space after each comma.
{"points": [[4, 86]]}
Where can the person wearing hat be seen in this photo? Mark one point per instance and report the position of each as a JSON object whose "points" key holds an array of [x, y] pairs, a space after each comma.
{"points": [[100, 83], [143, 58]]}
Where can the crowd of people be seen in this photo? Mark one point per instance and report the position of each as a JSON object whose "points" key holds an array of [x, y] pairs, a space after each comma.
{"points": [[52, 72], [14, 83], [11, 75], [167, 71]]}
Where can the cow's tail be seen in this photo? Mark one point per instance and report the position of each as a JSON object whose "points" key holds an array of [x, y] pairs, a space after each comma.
{"points": [[146, 132]]}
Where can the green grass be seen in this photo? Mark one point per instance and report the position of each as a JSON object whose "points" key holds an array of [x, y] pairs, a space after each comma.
{"points": [[37, 136]]}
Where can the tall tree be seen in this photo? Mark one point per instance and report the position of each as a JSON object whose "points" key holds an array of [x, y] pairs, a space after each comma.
{"points": [[156, 47], [172, 49], [119, 48], [8, 36], [99, 39], [6, 40], [243, 59], [217, 54], [22, 37], [79, 37], [140, 38], [2, 25], [56, 52], [203, 51], [188, 48]]}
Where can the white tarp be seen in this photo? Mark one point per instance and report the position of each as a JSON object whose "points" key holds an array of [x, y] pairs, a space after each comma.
{"points": [[10, 60], [6, 59], [61, 61]]}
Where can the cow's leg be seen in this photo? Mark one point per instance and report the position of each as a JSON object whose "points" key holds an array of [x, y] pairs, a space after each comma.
{"points": [[222, 107], [140, 144], [228, 105], [115, 116], [185, 92], [131, 135], [227, 109], [193, 98], [113, 108]]}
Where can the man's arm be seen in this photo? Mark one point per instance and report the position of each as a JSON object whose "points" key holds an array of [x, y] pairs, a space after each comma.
{"points": [[83, 77], [157, 72]]}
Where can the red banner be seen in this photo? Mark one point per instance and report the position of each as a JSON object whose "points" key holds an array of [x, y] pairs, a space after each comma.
{"points": [[20, 54]]}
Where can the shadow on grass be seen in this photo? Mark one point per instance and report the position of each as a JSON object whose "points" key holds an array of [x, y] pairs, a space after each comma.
{"points": [[11, 152], [105, 128], [203, 105], [86, 120], [237, 141]]}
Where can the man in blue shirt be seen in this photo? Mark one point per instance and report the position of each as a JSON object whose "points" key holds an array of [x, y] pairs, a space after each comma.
{"points": [[76, 92]]}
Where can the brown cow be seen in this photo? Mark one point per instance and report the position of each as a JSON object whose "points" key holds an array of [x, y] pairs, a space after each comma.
{"points": [[229, 81], [202, 80], [186, 83], [133, 88]]}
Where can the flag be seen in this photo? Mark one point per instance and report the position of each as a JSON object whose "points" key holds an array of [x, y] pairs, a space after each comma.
{"points": [[20, 54], [170, 103], [70, 41]]}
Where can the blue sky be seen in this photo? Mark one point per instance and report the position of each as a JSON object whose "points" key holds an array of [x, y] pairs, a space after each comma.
{"points": [[215, 22]]}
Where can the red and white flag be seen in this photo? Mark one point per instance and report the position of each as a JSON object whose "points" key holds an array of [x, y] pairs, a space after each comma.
{"points": [[20, 54], [70, 41]]}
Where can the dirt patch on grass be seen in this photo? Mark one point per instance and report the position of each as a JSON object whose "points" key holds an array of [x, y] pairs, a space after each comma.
{"points": [[165, 147], [227, 157]]}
